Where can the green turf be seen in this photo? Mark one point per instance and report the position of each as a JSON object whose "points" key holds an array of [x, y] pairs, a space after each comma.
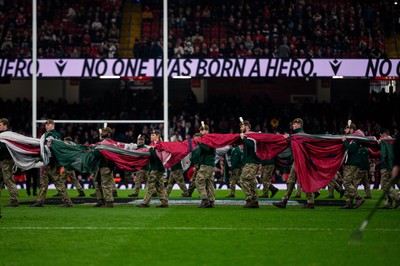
{"points": [[186, 235]]}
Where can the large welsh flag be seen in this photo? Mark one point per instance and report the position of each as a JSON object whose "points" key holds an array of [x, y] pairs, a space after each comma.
{"points": [[317, 158], [268, 146], [217, 140], [25, 151], [171, 153]]}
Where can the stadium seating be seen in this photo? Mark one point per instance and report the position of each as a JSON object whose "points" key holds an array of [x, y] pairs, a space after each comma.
{"points": [[56, 20], [319, 20]]}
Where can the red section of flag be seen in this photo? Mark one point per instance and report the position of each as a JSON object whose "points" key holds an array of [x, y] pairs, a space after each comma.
{"points": [[316, 160], [268, 146]]}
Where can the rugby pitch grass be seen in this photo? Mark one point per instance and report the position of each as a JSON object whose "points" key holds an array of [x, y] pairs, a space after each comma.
{"points": [[186, 235]]}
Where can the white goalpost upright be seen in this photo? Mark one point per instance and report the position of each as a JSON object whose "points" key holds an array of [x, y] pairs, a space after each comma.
{"points": [[165, 66], [165, 81], [34, 69]]}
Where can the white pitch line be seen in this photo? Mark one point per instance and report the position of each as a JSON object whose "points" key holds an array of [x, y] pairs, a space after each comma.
{"points": [[188, 228]]}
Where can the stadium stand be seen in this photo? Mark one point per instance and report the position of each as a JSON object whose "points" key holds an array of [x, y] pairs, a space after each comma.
{"points": [[65, 28], [297, 29]]}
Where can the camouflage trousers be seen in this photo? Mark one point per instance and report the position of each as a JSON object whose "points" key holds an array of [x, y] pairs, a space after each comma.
{"points": [[205, 182], [139, 176], [155, 183], [248, 181], [192, 184], [290, 186], [234, 179], [298, 189], [104, 184], [363, 178], [266, 177], [72, 176], [332, 186], [350, 183], [176, 176], [391, 194], [6, 178], [52, 172]]}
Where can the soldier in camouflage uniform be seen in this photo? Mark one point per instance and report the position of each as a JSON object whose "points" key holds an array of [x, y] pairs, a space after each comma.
{"points": [[6, 165], [334, 185], [248, 180], [386, 164], [176, 176], [204, 176], [195, 161], [155, 180], [140, 176], [297, 126], [74, 181], [104, 178], [236, 160], [52, 172], [299, 190], [71, 174], [363, 171], [351, 166], [142, 173], [267, 170]]}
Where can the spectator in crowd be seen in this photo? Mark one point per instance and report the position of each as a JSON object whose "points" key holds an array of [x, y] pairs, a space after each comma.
{"points": [[178, 50], [147, 14]]}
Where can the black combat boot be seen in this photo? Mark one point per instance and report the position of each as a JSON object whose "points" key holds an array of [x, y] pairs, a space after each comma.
{"points": [[273, 190], [308, 205], [99, 203], [66, 205], [248, 203], [204, 203], [359, 202], [108, 204], [211, 205], [348, 206], [13, 203], [142, 205], [37, 204], [254, 204], [281, 204]]}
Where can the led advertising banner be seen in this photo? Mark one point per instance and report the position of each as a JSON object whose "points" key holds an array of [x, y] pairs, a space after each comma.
{"points": [[234, 67]]}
